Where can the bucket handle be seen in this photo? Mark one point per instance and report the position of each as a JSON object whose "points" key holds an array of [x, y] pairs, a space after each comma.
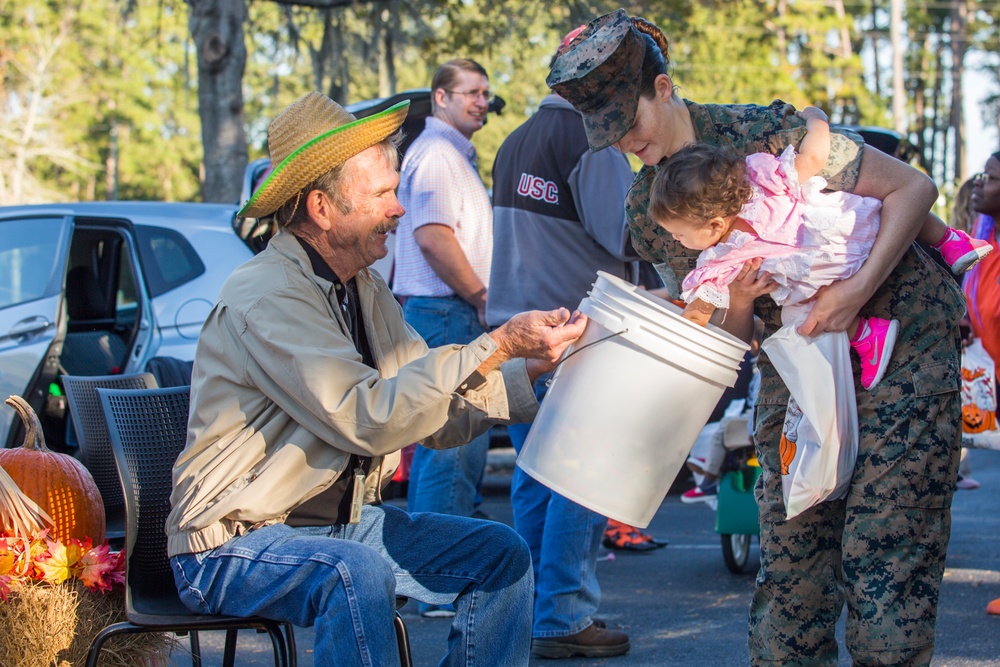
{"points": [[548, 383]]}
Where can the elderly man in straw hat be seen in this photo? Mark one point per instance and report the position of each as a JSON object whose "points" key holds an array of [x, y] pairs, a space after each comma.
{"points": [[306, 385]]}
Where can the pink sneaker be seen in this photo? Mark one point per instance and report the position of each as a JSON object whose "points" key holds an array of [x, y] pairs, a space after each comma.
{"points": [[875, 349], [962, 252]]}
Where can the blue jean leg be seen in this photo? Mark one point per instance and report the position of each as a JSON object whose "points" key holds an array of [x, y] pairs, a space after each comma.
{"points": [[445, 481], [563, 539], [343, 580], [301, 576]]}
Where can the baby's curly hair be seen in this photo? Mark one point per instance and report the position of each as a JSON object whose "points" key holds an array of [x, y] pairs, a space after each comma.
{"points": [[698, 183]]}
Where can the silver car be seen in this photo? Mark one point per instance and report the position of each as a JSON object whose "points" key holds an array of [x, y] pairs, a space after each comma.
{"points": [[100, 288]]}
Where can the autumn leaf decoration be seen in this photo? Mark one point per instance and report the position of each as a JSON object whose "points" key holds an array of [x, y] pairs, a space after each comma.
{"points": [[28, 554]]}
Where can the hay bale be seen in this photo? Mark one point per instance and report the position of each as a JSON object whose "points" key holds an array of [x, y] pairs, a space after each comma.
{"points": [[54, 625]]}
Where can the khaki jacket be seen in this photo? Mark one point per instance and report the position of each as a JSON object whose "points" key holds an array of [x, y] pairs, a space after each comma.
{"points": [[280, 398]]}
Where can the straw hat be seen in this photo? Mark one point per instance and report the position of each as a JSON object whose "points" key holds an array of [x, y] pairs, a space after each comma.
{"points": [[309, 138]]}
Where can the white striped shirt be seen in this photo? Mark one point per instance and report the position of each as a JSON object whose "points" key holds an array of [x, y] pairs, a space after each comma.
{"points": [[440, 184]]}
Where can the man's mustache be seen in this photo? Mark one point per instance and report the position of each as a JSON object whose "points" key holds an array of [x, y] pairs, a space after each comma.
{"points": [[386, 227]]}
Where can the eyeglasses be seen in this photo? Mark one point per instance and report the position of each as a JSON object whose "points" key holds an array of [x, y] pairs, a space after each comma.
{"points": [[474, 94], [982, 178]]}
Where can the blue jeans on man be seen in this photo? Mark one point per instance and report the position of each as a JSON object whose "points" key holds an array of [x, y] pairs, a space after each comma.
{"points": [[445, 480], [343, 579], [563, 538]]}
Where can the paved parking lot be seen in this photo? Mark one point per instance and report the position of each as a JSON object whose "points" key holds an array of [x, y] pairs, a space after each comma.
{"points": [[683, 608]]}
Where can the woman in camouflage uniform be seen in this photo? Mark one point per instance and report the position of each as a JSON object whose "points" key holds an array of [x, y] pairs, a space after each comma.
{"points": [[881, 550]]}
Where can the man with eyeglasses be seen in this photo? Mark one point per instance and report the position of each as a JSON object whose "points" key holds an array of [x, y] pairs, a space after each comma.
{"points": [[444, 249]]}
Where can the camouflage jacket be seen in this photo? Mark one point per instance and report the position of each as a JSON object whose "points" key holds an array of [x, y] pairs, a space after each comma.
{"points": [[918, 293]]}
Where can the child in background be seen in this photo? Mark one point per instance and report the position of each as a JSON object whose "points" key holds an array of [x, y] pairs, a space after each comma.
{"points": [[736, 210]]}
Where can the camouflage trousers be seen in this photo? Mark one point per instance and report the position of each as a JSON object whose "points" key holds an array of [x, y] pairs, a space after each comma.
{"points": [[881, 550]]}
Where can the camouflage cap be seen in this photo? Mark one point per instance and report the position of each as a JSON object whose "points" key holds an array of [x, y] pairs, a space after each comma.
{"points": [[599, 75]]}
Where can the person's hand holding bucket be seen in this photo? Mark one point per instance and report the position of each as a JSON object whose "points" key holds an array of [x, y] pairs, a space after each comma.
{"points": [[538, 336]]}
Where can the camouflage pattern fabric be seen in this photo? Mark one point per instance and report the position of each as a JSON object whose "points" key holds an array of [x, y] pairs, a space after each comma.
{"points": [[744, 129], [599, 75], [881, 550]]}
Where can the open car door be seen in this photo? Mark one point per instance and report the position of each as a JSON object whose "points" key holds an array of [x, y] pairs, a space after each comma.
{"points": [[33, 254]]}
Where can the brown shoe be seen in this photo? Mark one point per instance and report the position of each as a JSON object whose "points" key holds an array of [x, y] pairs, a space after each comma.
{"points": [[594, 641]]}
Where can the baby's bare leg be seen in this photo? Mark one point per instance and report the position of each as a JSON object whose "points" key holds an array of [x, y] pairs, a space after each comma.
{"points": [[932, 230], [852, 330]]}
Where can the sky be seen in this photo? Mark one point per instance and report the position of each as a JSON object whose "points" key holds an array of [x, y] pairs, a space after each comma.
{"points": [[980, 140]]}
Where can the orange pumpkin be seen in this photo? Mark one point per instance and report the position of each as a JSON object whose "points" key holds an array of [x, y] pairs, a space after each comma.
{"points": [[977, 420], [60, 484], [786, 451]]}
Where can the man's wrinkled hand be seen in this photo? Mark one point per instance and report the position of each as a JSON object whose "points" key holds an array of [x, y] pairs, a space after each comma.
{"points": [[538, 336], [542, 335]]}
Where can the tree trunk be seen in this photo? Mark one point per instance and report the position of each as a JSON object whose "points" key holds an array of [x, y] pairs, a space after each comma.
{"points": [[26, 139], [959, 39], [877, 78], [898, 89], [330, 73], [386, 53], [217, 30], [939, 126], [782, 36], [111, 163], [919, 104], [844, 50]]}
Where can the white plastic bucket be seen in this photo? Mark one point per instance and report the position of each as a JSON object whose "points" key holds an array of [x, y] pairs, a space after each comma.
{"points": [[627, 402]]}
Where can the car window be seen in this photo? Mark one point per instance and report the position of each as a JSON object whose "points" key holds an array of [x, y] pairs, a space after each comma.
{"points": [[167, 258], [126, 296], [28, 255]]}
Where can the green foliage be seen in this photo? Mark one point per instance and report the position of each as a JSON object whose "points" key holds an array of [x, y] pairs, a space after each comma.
{"points": [[985, 38], [98, 98], [94, 116]]}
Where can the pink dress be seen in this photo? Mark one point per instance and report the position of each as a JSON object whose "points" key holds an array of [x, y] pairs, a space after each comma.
{"points": [[807, 238]]}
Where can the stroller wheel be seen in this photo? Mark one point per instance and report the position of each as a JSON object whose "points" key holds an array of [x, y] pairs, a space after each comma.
{"points": [[736, 552]]}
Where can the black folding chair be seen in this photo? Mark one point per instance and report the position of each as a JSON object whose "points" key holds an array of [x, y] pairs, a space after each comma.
{"points": [[95, 443], [148, 429]]}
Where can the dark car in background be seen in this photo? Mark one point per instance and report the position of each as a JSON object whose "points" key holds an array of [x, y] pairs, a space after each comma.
{"points": [[888, 141]]}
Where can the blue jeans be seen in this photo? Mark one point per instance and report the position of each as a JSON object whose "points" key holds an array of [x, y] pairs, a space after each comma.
{"points": [[445, 480], [563, 539], [343, 579]]}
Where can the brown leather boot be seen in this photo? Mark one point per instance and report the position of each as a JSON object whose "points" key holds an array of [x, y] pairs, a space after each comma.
{"points": [[594, 641]]}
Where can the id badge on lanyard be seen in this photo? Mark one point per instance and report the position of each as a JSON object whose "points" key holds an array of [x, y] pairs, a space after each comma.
{"points": [[357, 495]]}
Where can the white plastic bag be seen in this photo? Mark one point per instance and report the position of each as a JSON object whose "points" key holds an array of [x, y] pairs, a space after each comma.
{"points": [[819, 443], [979, 400]]}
